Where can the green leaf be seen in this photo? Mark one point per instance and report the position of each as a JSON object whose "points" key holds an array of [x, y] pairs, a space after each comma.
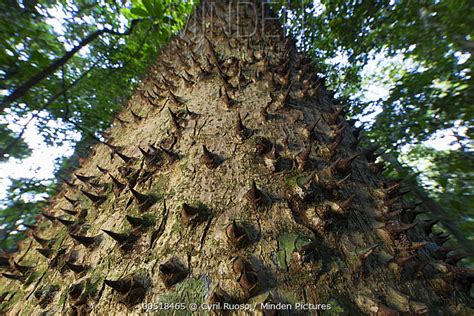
{"points": [[158, 9], [140, 12], [149, 7]]}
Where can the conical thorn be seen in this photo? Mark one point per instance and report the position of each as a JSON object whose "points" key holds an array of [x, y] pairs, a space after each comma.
{"points": [[237, 235], [210, 159], [84, 240], [241, 131], [22, 269], [346, 204], [76, 268], [85, 179], [255, 196], [143, 201], [123, 286], [189, 214], [121, 238], [68, 211], [43, 242], [172, 272], [65, 222], [49, 217], [72, 201], [96, 199], [427, 225], [135, 221], [125, 158], [46, 252]]}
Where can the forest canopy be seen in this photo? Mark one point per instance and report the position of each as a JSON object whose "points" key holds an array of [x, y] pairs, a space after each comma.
{"points": [[402, 70]]}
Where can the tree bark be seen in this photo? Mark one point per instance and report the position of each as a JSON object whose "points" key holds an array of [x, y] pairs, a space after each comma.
{"points": [[434, 208], [231, 177]]}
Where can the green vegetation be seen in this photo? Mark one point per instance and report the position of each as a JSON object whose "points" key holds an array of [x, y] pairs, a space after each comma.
{"points": [[422, 51]]}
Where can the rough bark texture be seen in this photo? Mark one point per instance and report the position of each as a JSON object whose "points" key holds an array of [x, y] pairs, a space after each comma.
{"points": [[232, 177]]}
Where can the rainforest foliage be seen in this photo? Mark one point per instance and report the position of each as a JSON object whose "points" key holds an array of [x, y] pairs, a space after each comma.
{"points": [[402, 68]]}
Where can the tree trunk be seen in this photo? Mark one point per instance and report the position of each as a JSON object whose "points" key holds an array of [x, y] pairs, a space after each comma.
{"points": [[232, 178]]}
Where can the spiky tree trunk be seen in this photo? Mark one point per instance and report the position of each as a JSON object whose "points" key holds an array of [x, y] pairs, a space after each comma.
{"points": [[231, 177]]}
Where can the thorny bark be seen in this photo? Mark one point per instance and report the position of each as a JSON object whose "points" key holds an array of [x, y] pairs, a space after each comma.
{"points": [[434, 208], [232, 177]]}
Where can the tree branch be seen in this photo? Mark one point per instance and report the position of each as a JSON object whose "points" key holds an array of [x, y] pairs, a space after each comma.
{"points": [[26, 86], [6, 150]]}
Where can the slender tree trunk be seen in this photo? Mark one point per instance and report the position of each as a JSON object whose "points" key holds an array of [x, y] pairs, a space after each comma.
{"points": [[231, 177]]}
